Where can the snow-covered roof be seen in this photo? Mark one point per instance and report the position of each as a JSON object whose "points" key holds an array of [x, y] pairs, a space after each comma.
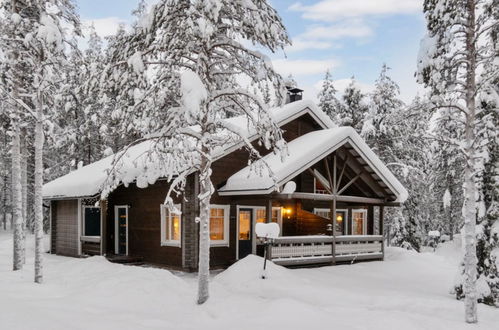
{"points": [[305, 151], [89, 180]]}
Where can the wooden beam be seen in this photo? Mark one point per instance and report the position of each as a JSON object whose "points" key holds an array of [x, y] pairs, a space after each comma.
{"points": [[103, 230], [349, 183], [329, 197], [373, 185], [326, 165], [342, 172], [320, 180], [268, 211]]}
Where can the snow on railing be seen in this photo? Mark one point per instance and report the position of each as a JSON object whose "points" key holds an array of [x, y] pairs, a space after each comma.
{"points": [[317, 249]]}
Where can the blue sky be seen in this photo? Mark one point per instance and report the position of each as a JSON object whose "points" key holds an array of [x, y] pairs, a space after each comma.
{"points": [[350, 37]]}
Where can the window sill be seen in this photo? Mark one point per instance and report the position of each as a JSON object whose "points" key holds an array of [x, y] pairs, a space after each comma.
{"points": [[172, 244], [219, 244], [91, 239]]}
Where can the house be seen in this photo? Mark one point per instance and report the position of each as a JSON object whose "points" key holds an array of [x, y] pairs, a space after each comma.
{"points": [[329, 171]]}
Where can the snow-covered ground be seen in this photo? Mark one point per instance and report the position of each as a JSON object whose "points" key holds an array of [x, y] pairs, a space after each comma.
{"points": [[406, 291]]}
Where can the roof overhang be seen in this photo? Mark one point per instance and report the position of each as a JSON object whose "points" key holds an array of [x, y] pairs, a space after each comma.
{"points": [[250, 184]]}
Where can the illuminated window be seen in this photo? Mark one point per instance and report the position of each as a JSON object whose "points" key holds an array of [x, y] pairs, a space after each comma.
{"points": [[341, 216], [359, 222], [171, 226], [219, 224]]}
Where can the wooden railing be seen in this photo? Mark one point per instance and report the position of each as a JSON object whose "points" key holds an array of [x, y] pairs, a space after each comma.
{"points": [[301, 250]]}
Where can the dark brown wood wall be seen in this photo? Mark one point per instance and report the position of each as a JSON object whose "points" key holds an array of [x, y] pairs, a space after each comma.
{"points": [[144, 223]]}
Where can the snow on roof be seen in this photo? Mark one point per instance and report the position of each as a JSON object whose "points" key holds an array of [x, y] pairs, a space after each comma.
{"points": [[89, 180], [305, 151]]}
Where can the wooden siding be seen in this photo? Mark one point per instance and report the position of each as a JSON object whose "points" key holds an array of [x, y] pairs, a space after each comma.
{"points": [[65, 223], [144, 226]]}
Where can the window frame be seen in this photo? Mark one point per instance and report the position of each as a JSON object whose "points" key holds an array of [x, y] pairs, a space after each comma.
{"points": [[345, 221], [226, 240], [165, 226], [364, 225], [83, 222]]}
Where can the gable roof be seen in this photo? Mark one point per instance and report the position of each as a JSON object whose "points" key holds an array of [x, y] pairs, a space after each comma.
{"points": [[89, 180], [303, 152]]}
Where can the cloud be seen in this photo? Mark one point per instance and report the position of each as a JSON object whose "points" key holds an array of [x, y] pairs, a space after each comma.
{"points": [[103, 26], [303, 67], [334, 10], [321, 36]]}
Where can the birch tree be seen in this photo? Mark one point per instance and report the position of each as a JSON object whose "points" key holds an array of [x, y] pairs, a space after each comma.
{"points": [[36, 42], [458, 62], [200, 44]]}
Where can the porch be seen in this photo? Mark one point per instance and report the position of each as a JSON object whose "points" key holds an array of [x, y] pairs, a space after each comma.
{"points": [[310, 250]]}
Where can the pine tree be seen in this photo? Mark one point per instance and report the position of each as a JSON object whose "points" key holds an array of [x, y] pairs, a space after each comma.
{"points": [[327, 99], [457, 61], [353, 109], [197, 44], [384, 105]]}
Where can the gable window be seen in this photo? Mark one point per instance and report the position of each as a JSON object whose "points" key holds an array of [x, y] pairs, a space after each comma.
{"points": [[341, 216], [319, 187], [219, 225], [91, 221], [171, 226], [359, 222]]}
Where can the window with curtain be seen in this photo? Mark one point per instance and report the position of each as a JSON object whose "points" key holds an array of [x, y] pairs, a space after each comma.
{"points": [[171, 226], [219, 224]]}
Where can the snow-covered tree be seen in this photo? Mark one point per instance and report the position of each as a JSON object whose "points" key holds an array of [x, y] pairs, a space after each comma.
{"points": [[383, 106], [36, 43], [447, 169], [201, 45], [327, 97], [458, 62], [353, 107]]}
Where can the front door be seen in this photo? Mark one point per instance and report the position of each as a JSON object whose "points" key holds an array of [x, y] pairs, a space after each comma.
{"points": [[245, 232], [121, 230]]}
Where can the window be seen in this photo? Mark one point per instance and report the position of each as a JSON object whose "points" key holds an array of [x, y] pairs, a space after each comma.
{"points": [[276, 215], [219, 225], [341, 218], [319, 187], [171, 226], [359, 222], [91, 221]]}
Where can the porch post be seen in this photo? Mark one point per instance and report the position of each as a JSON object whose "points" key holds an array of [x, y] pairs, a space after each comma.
{"points": [[382, 231], [333, 242], [333, 211], [268, 211]]}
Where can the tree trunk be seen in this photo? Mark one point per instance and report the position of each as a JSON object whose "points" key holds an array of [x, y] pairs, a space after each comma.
{"points": [[24, 192], [469, 207], [38, 199], [205, 193], [16, 197]]}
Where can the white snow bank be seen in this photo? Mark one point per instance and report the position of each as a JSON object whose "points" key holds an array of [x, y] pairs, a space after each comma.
{"points": [[89, 180], [408, 290], [303, 152]]}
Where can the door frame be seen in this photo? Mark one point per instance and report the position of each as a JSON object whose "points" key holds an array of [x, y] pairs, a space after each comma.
{"points": [[116, 236], [253, 222]]}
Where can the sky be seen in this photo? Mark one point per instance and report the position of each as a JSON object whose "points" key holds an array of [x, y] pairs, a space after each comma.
{"points": [[348, 37]]}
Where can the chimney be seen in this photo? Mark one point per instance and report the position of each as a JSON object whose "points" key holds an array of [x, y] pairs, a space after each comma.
{"points": [[293, 94]]}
